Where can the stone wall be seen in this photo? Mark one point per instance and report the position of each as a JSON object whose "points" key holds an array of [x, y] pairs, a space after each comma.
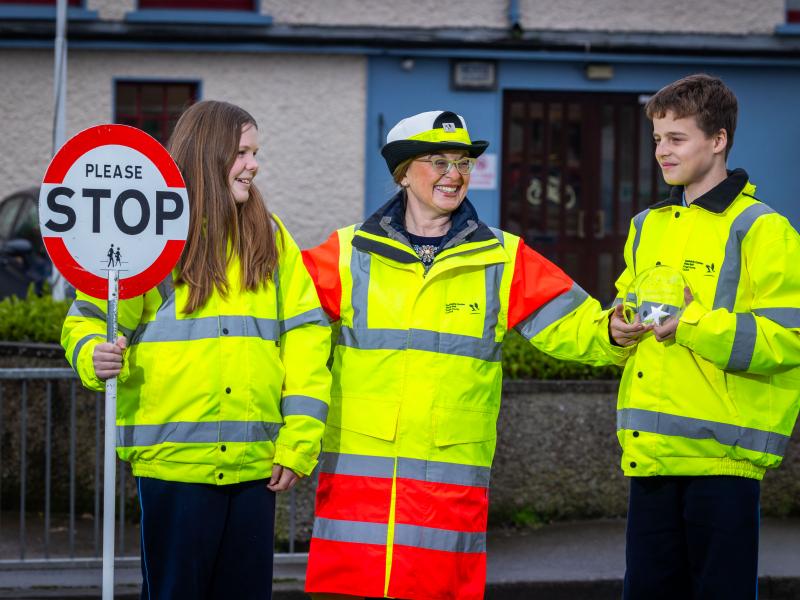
{"points": [[557, 456]]}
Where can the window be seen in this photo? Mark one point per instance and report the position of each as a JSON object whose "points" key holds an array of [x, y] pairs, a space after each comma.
{"points": [[793, 11], [75, 3], [214, 12], [153, 106], [198, 4], [44, 10]]}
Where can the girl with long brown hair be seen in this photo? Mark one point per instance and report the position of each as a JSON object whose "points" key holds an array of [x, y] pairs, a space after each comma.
{"points": [[223, 389]]}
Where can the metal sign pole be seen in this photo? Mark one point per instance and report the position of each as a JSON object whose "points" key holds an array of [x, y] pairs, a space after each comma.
{"points": [[58, 284], [110, 457]]}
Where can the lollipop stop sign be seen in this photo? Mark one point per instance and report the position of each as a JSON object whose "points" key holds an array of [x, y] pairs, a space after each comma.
{"points": [[114, 216]]}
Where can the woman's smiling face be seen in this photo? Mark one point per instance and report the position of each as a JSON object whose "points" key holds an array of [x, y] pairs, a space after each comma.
{"points": [[434, 193]]}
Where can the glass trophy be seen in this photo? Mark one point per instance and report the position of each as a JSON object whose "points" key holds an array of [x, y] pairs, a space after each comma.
{"points": [[655, 296]]}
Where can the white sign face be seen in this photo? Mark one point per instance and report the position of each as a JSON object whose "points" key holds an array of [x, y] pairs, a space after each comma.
{"points": [[120, 205], [484, 175]]}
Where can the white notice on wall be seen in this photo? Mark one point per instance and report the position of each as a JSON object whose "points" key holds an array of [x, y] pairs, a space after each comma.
{"points": [[484, 175]]}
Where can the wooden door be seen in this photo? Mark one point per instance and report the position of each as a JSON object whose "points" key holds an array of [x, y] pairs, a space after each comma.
{"points": [[576, 168]]}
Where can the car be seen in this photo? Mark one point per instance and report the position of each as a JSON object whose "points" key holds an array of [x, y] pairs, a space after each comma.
{"points": [[23, 258]]}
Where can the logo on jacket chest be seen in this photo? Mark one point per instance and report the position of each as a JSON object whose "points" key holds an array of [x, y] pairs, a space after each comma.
{"points": [[473, 308], [707, 269]]}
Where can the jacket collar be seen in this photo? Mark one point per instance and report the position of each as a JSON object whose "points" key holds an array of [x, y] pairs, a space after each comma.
{"points": [[717, 199], [389, 221]]}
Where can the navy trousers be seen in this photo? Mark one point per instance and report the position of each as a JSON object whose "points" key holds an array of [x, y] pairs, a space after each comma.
{"points": [[205, 542], [692, 538]]}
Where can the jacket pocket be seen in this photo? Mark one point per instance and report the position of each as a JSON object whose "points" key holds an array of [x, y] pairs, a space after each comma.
{"points": [[452, 426], [367, 416]]}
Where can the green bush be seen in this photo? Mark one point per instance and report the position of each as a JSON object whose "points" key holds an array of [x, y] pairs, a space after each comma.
{"points": [[34, 319], [522, 361], [39, 319]]}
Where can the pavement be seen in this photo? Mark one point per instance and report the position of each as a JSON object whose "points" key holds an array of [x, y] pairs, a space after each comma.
{"points": [[583, 560]]}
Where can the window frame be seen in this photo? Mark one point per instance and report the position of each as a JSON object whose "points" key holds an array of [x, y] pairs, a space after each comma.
{"points": [[44, 10], [211, 16], [161, 81]]}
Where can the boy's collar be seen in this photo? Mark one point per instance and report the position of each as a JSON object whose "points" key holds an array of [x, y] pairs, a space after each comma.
{"points": [[717, 199]]}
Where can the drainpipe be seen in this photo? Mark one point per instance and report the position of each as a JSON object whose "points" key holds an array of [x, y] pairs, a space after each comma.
{"points": [[514, 17]]}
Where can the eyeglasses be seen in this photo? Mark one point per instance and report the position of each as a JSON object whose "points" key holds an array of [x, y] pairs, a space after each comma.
{"points": [[443, 166]]}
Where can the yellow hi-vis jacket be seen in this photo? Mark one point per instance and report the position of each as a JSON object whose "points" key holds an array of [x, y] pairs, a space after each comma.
{"points": [[722, 399], [403, 486], [218, 395]]}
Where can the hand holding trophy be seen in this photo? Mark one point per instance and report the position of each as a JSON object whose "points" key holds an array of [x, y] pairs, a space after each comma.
{"points": [[656, 299]]}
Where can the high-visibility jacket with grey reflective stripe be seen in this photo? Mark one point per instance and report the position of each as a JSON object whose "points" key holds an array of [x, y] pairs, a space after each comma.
{"points": [[218, 395], [723, 398], [417, 378]]}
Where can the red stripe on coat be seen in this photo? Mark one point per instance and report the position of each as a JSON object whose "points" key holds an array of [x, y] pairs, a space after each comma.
{"points": [[536, 281], [441, 505], [353, 498], [322, 263], [346, 568], [437, 575]]}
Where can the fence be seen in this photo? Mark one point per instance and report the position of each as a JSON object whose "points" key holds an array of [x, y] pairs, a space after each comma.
{"points": [[51, 456]]}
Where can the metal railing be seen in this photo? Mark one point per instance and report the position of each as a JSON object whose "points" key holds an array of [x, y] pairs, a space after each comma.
{"points": [[51, 447]]}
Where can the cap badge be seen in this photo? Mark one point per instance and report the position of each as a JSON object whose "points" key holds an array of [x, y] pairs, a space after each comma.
{"points": [[449, 127]]}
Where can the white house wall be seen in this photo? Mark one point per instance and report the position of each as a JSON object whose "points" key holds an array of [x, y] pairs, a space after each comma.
{"points": [[310, 110], [678, 16]]}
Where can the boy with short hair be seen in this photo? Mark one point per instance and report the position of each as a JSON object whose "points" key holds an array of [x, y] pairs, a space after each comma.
{"points": [[707, 401]]}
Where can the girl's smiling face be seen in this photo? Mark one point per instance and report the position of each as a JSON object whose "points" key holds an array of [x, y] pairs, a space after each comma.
{"points": [[245, 166]]}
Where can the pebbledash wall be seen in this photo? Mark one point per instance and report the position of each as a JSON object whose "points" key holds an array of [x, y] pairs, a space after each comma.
{"points": [[324, 106], [720, 16], [309, 110]]}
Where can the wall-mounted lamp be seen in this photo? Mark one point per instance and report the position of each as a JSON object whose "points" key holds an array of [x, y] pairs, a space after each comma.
{"points": [[602, 72], [407, 64]]}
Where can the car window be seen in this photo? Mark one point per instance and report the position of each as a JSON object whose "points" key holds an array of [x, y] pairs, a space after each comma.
{"points": [[8, 214], [27, 226]]}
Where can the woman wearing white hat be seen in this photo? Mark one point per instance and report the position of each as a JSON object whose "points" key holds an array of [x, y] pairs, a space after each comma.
{"points": [[425, 293]]}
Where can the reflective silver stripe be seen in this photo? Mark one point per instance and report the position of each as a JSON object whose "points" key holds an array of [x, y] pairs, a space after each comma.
{"points": [[638, 223], [360, 272], [446, 540], [315, 316], [731, 269], [494, 276], [358, 532], [617, 302], [421, 339], [166, 289], [304, 406], [179, 330], [356, 464], [785, 317], [756, 440], [441, 472], [80, 344], [558, 308], [183, 432], [500, 235], [744, 343], [83, 308]]}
